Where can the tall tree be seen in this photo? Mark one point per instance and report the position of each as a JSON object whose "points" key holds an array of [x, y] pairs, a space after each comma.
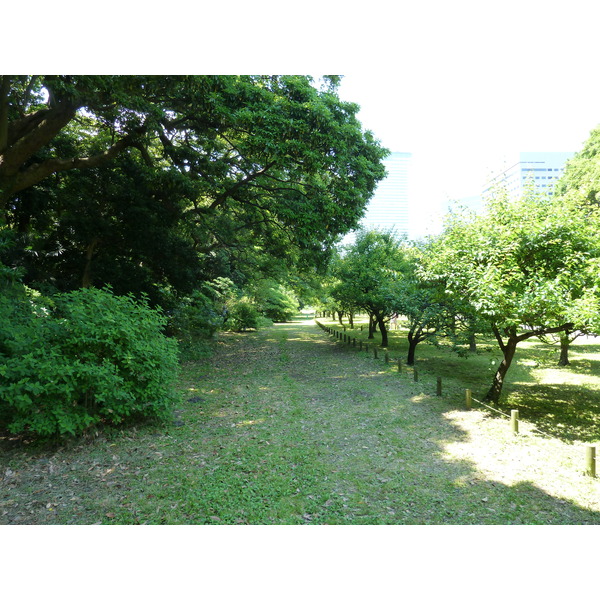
{"points": [[263, 165]]}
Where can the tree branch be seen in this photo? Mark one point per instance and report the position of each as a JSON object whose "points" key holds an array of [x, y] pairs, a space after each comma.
{"points": [[36, 173], [228, 193]]}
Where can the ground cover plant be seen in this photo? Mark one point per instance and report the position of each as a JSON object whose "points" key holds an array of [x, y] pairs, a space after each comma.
{"points": [[290, 425]]}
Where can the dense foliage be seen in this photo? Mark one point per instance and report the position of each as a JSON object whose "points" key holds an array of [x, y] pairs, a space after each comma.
{"points": [[80, 359], [369, 274], [529, 267], [152, 184]]}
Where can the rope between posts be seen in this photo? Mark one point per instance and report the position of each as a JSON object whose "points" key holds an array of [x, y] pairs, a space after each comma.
{"points": [[487, 406], [508, 417]]}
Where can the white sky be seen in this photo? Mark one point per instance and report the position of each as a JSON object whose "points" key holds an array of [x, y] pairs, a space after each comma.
{"points": [[464, 95]]}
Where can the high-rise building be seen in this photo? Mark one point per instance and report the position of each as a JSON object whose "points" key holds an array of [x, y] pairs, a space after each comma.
{"points": [[543, 169], [389, 208]]}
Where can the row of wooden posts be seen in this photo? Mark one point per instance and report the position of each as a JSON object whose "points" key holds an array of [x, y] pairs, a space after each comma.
{"points": [[590, 450]]}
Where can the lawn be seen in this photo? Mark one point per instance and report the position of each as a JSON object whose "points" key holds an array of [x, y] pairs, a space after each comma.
{"points": [[289, 425]]}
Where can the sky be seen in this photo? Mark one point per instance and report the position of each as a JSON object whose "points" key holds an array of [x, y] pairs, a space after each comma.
{"points": [[466, 99]]}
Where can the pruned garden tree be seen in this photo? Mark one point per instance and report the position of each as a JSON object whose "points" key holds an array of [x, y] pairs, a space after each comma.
{"points": [[370, 273], [529, 266]]}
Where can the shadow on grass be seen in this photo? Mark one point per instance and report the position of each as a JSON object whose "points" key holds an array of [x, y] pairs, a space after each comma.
{"points": [[405, 476], [566, 410], [293, 428]]}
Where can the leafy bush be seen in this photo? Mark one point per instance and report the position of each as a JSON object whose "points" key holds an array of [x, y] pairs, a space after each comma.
{"points": [[242, 316], [276, 302], [194, 321], [84, 358]]}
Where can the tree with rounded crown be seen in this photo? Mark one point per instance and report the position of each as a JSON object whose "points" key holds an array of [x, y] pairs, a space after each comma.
{"points": [[369, 274], [276, 163], [529, 266]]}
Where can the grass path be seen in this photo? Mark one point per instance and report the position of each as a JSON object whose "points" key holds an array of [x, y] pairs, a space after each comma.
{"points": [[288, 426]]}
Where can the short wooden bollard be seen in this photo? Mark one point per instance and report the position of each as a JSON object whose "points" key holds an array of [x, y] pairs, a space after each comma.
{"points": [[468, 399], [359, 345], [514, 421], [590, 461], [374, 351], [387, 357], [439, 386], [399, 365], [415, 375], [354, 342]]}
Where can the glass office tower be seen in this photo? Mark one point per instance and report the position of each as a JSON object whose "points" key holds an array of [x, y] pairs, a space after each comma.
{"points": [[543, 169], [389, 206]]}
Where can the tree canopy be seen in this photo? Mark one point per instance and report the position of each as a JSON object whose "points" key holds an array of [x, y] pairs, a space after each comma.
{"points": [[581, 176], [213, 173], [530, 267], [369, 275]]}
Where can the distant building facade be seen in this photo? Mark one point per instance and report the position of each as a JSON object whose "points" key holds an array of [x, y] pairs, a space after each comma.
{"points": [[389, 206], [543, 169]]}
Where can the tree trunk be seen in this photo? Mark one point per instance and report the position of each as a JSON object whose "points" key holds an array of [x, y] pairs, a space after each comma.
{"points": [[494, 392], [383, 329], [86, 280], [412, 348], [472, 343], [351, 320], [372, 325], [563, 361], [340, 315]]}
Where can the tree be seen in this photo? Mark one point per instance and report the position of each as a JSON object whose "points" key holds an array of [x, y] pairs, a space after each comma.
{"points": [[530, 267], [424, 304], [264, 166], [582, 172], [369, 274]]}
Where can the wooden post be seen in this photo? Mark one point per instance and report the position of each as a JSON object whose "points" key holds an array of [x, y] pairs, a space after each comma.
{"points": [[439, 386], [366, 348], [359, 345], [415, 375], [374, 351], [354, 342], [514, 421], [399, 365], [387, 357], [468, 399], [590, 460]]}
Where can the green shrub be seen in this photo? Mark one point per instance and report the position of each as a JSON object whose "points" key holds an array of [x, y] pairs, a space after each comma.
{"points": [[84, 358], [197, 317], [242, 316], [276, 302]]}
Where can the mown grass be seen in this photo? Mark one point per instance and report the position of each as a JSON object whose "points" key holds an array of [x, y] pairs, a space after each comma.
{"points": [[289, 426]]}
